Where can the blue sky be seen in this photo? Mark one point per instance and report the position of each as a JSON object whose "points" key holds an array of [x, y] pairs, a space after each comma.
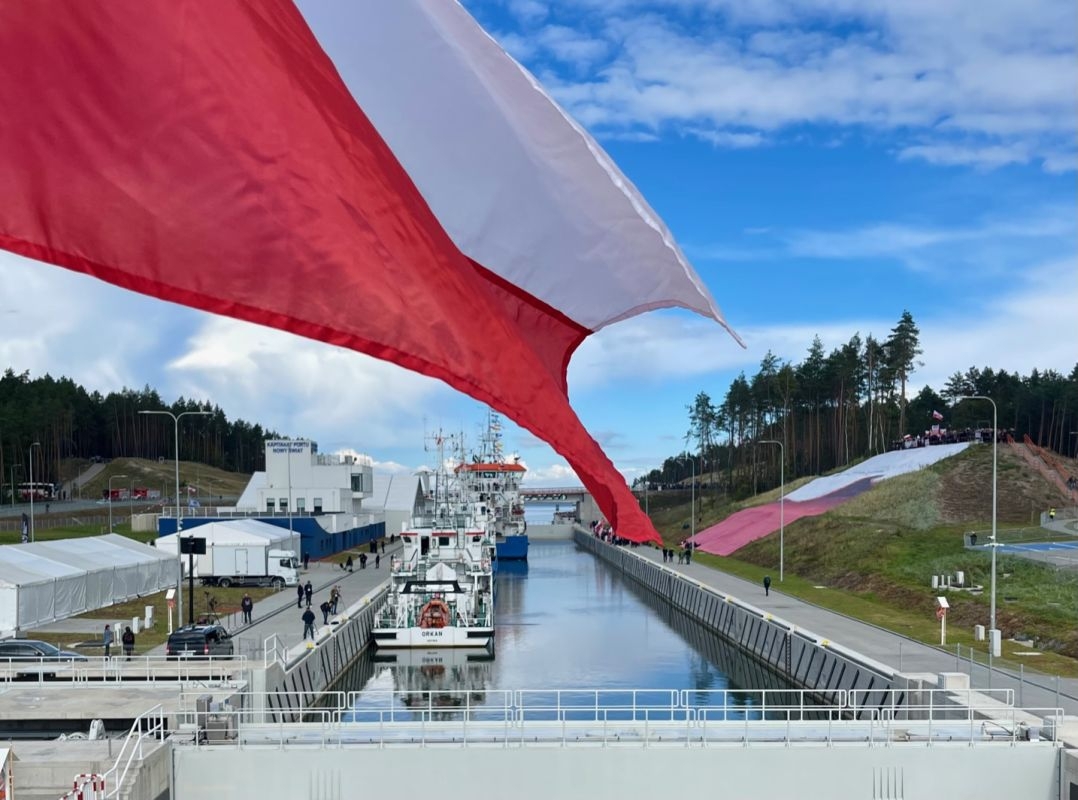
{"points": [[825, 164]]}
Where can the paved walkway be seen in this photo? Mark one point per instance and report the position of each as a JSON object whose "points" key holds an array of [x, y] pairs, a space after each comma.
{"points": [[899, 652], [278, 614]]}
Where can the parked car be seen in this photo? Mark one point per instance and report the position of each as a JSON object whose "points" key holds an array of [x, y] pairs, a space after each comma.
{"points": [[199, 641], [35, 650]]}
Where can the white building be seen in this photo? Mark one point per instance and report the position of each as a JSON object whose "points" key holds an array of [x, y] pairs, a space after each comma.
{"points": [[300, 479]]}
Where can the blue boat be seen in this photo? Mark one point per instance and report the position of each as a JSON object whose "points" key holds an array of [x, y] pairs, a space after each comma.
{"points": [[512, 548], [493, 483]]}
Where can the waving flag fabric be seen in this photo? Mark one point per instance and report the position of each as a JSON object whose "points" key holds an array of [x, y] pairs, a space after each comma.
{"points": [[937, 415], [376, 175]]}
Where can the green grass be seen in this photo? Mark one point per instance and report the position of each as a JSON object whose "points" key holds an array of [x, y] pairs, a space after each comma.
{"points": [[877, 553]]}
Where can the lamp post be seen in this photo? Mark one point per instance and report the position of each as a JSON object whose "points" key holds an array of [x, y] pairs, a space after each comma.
{"points": [[111, 478], [993, 634], [179, 519], [782, 505], [32, 446], [692, 514], [13, 486]]}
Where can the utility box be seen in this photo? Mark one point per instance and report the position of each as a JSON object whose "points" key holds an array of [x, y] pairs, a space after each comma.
{"points": [[935, 581], [995, 643], [978, 633], [149, 616], [960, 578]]}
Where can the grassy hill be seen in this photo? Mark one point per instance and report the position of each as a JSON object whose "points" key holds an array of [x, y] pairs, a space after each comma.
{"points": [[161, 475], [873, 557]]}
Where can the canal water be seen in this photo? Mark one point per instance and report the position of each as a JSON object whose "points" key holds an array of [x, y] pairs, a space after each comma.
{"points": [[567, 621]]}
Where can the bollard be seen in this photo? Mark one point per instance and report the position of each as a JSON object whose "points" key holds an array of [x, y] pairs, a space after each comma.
{"points": [[149, 617], [135, 624]]}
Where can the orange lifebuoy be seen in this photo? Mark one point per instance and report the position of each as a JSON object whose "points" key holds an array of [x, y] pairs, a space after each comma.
{"points": [[941, 612], [435, 614]]}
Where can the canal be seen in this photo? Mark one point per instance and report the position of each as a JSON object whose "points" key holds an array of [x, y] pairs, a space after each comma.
{"points": [[567, 621]]}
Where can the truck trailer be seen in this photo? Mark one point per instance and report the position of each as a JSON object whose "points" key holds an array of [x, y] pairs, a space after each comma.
{"points": [[240, 554]]}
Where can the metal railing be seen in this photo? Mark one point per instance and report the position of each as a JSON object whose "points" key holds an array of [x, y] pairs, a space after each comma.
{"points": [[101, 669], [612, 717], [148, 725]]}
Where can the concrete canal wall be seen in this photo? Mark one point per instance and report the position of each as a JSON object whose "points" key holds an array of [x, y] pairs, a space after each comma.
{"points": [[804, 659], [295, 679]]}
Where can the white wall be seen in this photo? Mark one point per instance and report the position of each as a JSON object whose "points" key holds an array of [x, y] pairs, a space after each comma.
{"points": [[759, 772], [294, 470]]}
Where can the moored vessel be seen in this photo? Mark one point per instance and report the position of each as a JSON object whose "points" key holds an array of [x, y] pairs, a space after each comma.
{"points": [[493, 482], [442, 590]]}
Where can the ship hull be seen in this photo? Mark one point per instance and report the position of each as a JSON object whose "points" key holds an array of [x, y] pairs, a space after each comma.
{"points": [[513, 548], [391, 638]]}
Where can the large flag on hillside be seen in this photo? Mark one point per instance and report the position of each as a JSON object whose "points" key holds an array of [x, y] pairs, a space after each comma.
{"points": [[376, 175]]}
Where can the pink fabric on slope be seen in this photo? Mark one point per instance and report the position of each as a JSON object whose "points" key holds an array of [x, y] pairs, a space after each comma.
{"points": [[750, 524]]}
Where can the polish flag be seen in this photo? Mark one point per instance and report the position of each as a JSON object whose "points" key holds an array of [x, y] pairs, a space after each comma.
{"points": [[377, 174], [937, 415]]}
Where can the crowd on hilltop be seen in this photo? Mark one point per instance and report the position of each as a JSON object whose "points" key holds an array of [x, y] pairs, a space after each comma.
{"points": [[946, 436]]}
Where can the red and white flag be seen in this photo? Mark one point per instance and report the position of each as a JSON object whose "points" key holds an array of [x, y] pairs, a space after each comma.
{"points": [[937, 415], [376, 175]]}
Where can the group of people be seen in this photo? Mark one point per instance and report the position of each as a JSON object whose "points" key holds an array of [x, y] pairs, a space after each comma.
{"points": [[327, 607], [684, 556], [348, 563], [127, 640]]}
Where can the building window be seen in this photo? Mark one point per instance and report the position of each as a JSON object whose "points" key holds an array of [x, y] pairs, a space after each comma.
{"points": [[283, 503], [269, 505], [318, 505], [357, 482], [443, 541], [301, 504]]}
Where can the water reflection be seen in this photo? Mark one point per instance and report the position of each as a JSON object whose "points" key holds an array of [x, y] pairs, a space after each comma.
{"points": [[571, 634]]}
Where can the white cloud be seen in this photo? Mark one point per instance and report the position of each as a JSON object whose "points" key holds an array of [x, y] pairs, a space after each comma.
{"points": [[529, 10], [956, 83], [301, 385]]}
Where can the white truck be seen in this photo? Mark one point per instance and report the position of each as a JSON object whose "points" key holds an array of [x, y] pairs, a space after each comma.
{"points": [[239, 553], [247, 565]]}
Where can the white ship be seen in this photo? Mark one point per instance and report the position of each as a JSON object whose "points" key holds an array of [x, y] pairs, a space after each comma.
{"points": [[442, 591], [493, 483]]}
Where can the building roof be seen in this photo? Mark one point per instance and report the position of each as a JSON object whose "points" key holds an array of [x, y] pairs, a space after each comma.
{"points": [[23, 564]]}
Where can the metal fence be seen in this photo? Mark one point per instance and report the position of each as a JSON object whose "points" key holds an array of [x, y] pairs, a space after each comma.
{"points": [[613, 717]]}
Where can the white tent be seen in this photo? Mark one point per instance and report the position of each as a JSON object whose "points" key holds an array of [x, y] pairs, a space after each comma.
{"points": [[231, 533], [46, 581]]}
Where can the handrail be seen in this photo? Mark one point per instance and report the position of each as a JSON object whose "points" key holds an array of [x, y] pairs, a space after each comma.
{"points": [[135, 737], [106, 669]]}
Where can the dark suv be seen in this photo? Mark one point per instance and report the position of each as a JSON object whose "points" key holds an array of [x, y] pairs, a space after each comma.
{"points": [[199, 641]]}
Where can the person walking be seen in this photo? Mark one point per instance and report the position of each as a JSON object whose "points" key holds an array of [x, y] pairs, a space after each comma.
{"points": [[362, 560], [128, 640], [767, 585], [377, 560], [308, 592], [383, 546], [308, 623], [326, 608], [107, 638], [335, 597], [349, 562], [306, 560], [247, 605], [1052, 514], [300, 591]]}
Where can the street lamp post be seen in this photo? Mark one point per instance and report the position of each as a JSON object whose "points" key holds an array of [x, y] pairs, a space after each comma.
{"points": [[32, 446], [782, 505], [179, 519], [692, 513], [993, 634], [13, 487], [111, 478]]}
